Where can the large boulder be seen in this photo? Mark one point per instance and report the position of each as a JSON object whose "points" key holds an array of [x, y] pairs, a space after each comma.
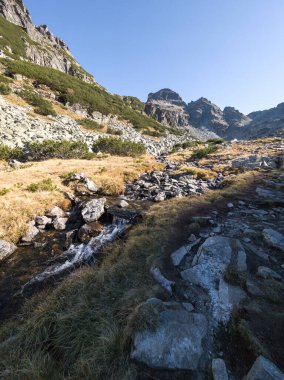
{"points": [[176, 342], [31, 233], [264, 369], [93, 210], [6, 249], [208, 270]]}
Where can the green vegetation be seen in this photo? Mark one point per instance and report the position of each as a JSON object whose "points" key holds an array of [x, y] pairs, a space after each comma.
{"points": [[90, 124], [4, 191], [134, 103], [204, 152], [42, 106], [72, 90], [154, 133], [13, 36], [119, 147], [44, 185], [216, 141], [115, 132], [39, 151], [185, 145], [7, 153], [4, 89]]}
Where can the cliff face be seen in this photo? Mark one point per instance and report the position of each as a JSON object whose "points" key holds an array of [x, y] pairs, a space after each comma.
{"points": [[167, 107], [47, 50]]}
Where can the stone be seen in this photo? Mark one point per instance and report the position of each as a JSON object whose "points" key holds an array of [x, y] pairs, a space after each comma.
{"points": [[178, 255], [230, 205], [176, 343], [60, 223], [264, 369], [87, 231], [273, 238], [43, 221], [208, 269], [265, 272], [93, 210], [90, 185], [6, 249], [162, 280], [122, 203], [219, 370], [56, 212], [31, 233], [160, 197]]}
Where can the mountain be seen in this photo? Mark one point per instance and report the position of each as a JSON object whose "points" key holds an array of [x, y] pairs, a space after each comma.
{"points": [[168, 108], [35, 43]]}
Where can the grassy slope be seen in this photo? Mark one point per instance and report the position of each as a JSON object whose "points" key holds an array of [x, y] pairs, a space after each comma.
{"points": [[82, 328], [18, 205], [94, 98]]}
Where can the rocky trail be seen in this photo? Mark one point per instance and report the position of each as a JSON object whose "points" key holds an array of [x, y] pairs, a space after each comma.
{"points": [[223, 278], [219, 285]]}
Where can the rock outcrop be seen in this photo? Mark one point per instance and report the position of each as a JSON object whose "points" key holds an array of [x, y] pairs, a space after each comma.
{"points": [[168, 108], [42, 47]]}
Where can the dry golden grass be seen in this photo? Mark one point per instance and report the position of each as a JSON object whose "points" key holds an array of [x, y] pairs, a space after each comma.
{"points": [[198, 173], [18, 205]]}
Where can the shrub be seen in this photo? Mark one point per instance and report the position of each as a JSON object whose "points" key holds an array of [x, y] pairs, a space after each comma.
{"points": [[4, 89], [204, 152], [112, 131], [42, 106], [119, 147], [7, 153], [185, 145], [154, 133], [216, 141], [58, 149], [90, 124], [44, 185]]}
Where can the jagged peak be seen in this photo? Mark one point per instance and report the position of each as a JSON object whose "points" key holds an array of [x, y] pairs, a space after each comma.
{"points": [[166, 94]]}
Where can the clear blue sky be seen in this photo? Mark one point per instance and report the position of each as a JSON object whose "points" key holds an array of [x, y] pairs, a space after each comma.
{"points": [[229, 51]]}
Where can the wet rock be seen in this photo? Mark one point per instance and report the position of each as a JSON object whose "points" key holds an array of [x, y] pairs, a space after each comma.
{"points": [[87, 231], [163, 281], [230, 205], [265, 272], [176, 342], [31, 233], [264, 369], [93, 210], [60, 223], [273, 238], [6, 249], [219, 370]]}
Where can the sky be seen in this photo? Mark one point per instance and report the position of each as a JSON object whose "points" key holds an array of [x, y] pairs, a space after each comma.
{"points": [[229, 51]]}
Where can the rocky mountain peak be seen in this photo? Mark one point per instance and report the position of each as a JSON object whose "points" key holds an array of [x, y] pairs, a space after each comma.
{"points": [[166, 95]]}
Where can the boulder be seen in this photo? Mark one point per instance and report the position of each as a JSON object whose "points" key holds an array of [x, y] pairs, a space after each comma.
{"points": [[162, 280], [6, 249], [273, 238], [43, 221], [208, 268], [56, 212], [31, 233], [122, 203], [175, 343], [93, 210], [60, 223], [264, 369], [87, 231]]}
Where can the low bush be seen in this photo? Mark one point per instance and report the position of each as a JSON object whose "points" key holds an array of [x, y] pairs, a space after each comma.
{"points": [[90, 124], [204, 152], [42, 106], [112, 131], [7, 153], [154, 133], [4, 191], [119, 147], [185, 145], [216, 141], [57, 149], [44, 185], [4, 89]]}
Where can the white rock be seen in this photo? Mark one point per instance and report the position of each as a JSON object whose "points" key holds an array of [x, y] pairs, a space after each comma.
{"points": [[6, 249], [264, 369], [93, 210]]}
